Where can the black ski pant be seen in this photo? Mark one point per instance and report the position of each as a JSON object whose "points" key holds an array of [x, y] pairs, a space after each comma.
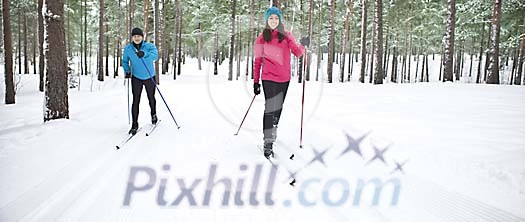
{"points": [[274, 95], [136, 89]]}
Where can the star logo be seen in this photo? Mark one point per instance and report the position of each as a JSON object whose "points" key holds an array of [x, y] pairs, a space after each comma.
{"points": [[318, 156], [379, 154], [399, 167], [353, 145]]}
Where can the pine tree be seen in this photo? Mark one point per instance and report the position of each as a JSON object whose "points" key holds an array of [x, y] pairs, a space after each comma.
{"points": [[56, 94], [41, 63], [100, 55], [232, 40], [378, 75], [517, 80], [448, 43], [9, 83], [493, 71], [363, 42], [331, 41]]}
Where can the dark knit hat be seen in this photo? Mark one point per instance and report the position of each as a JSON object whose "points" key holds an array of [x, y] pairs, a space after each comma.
{"points": [[271, 11], [137, 31]]}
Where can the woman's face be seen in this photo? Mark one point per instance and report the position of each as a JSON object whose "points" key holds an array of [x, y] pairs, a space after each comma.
{"points": [[273, 21]]}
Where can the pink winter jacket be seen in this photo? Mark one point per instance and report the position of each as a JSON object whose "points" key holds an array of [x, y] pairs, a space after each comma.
{"points": [[274, 57]]}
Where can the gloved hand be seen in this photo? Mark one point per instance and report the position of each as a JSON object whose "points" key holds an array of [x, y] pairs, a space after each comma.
{"points": [[128, 75], [256, 88], [140, 54], [305, 41]]}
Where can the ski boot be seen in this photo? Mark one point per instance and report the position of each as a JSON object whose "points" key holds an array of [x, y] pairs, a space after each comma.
{"points": [[268, 150], [154, 119], [134, 129]]}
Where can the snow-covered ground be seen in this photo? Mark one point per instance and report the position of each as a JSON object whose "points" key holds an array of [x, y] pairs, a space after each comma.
{"points": [[463, 144]]}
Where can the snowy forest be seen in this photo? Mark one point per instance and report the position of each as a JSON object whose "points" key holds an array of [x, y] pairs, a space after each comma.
{"points": [[395, 110], [367, 41]]}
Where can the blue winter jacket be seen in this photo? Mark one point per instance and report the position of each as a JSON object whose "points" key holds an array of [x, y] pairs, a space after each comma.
{"points": [[137, 67]]}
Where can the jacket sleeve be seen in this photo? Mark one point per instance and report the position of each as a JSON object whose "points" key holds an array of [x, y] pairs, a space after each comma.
{"points": [[258, 58], [296, 49], [125, 61], [151, 52]]}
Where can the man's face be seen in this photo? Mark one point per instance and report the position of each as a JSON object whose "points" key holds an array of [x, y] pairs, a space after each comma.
{"points": [[137, 39]]}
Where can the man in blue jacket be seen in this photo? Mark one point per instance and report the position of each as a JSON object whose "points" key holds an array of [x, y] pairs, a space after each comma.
{"points": [[141, 74]]}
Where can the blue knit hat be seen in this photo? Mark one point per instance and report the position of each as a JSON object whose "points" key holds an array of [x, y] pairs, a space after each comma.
{"points": [[271, 11]]}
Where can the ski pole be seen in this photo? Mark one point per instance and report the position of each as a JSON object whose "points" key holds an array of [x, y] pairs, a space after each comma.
{"points": [[245, 116], [161, 96], [128, 104], [302, 105]]}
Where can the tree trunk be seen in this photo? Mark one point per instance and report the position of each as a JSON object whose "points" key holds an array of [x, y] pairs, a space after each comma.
{"points": [[232, 40], [310, 33], [26, 58], [417, 64], [319, 50], [101, 31], [487, 55], [179, 50], [423, 68], [426, 68], [393, 77], [409, 49], [175, 38], [157, 39], [478, 78], [216, 55], [363, 42], [448, 41], [56, 98], [344, 50], [471, 63], [41, 64], [239, 49], [82, 33], [371, 57], [146, 15], [199, 46], [8, 47], [514, 59], [441, 63], [250, 56], [517, 80], [106, 65], [493, 72], [164, 43], [331, 43], [385, 57], [378, 75], [35, 43], [456, 64], [19, 44], [300, 66], [68, 28], [131, 14], [86, 48]]}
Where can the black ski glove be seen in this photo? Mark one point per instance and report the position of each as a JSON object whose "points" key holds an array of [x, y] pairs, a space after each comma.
{"points": [[305, 41], [140, 54], [128, 75], [256, 88]]}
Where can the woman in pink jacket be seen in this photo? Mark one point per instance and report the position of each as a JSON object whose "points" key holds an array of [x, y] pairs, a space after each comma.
{"points": [[272, 53]]}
